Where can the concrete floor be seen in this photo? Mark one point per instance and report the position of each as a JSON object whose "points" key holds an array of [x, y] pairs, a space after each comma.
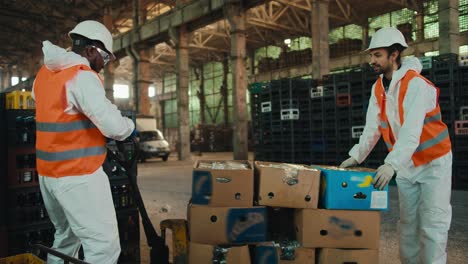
{"points": [[166, 189]]}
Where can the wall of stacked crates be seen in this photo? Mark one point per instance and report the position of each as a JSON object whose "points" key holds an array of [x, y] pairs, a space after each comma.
{"points": [[296, 120], [283, 213], [23, 217]]}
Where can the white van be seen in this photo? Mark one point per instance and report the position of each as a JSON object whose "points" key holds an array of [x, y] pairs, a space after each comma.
{"points": [[152, 142]]}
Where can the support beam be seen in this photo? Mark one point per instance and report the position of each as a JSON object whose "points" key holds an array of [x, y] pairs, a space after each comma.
{"points": [[195, 14], [10, 75], [320, 45], [143, 82], [182, 75], [4, 83], [420, 22], [201, 96], [449, 32], [237, 20]]}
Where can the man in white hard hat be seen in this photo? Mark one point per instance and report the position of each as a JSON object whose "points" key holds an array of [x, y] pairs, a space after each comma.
{"points": [[73, 117], [404, 110]]}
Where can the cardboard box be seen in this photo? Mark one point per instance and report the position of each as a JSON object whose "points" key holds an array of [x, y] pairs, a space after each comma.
{"points": [[340, 256], [273, 255], [264, 254], [286, 185], [301, 256], [224, 225], [351, 190], [318, 228], [208, 254], [222, 187]]}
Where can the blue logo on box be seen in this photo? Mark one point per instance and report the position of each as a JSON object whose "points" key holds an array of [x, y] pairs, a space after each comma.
{"points": [[266, 255], [202, 187], [246, 225]]}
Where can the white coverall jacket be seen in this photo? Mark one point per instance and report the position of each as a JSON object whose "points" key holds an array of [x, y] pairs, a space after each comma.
{"points": [[424, 191], [81, 207]]}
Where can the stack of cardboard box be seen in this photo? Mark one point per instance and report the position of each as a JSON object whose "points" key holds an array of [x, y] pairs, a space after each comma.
{"points": [[222, 218], [315, 214]]}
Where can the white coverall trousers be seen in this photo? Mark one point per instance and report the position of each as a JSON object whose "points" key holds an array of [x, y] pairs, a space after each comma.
{"points": [[426, 213], [82, 211]]}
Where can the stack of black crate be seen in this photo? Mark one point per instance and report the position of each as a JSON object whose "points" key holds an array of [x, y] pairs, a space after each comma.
{"points": [[450, 76], [27, 219], [349, 103], [23, 214], [3, 179], [446, 76], [460, 175], [329, 122], [282, 129]]}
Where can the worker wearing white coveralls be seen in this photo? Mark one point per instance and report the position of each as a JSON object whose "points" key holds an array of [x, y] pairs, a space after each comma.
{"points": [[80, 204], [424, 183]]}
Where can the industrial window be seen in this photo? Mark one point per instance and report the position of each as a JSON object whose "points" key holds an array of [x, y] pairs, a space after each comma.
{"points": [[264, 56], [351, 31], [194, 102], [403, 19], [121, 91], [170, 106], [431, 19], [213, 82], [463, 18], [300, 43]]}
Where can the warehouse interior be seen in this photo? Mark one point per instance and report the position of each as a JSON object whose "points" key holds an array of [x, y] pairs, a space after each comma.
{"points": [[215, 76]]}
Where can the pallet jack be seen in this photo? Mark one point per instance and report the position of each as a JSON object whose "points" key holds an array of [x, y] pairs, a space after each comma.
{"points": [[127, 156]]}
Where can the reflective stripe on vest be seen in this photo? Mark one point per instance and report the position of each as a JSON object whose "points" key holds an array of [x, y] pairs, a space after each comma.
{"points": [[64, 127], [435, 133], [434, 141], [66, 144], [70, 154]]}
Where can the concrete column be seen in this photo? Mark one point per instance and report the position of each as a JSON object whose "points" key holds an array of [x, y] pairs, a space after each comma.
{"points": [[224, 89], [182, 72], [201, 96], [157, 103], [320, 45], [109, 69], [237, 20], [449, 32], [420, 24], [143, 82], [3, 77], [10, 75]]}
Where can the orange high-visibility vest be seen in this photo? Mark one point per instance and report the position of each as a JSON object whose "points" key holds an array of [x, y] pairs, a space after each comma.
{"points": [[66, 144], [434, 141]]}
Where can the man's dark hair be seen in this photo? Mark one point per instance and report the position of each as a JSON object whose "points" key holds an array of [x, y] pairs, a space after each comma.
{"points": [[393, 48]]}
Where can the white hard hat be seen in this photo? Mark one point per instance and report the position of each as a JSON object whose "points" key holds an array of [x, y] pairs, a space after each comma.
{"points": [[94, 30], [385, 37]]}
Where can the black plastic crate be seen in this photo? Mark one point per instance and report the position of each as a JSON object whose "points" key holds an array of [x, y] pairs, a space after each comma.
{"points": [[444, 61], [20, 240], [24, 197], [21, 217]]}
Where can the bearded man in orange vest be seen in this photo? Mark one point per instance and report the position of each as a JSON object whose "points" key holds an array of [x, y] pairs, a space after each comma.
{"points": [[73, 117], [404, 110]]}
